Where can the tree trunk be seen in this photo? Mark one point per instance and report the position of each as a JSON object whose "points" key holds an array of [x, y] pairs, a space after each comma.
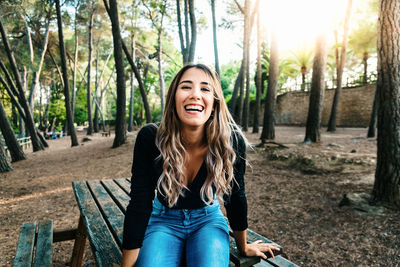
{"points": [[387, 175], [70, 120], [374, 116], [232, 105], [365, 62], [182, 41], [135, 70], [88, 90], [13, 146], [340, 67], [132, 91], [76, 51], [120, 124], [96, 108], [214, 25], [187, 31], [5, 166], [246, 28], [36, 143], [160, 71], [193, 30], [268, 131], [36, 74], [256, 119], [317, 91]]}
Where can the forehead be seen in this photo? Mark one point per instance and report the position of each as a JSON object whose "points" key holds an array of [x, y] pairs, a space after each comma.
{"points": [[196, 75]]}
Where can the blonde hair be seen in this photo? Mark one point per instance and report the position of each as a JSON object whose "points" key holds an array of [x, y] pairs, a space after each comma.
{"points": [[220, 156]]}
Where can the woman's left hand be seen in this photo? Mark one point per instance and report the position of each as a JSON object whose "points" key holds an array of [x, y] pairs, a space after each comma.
{"points": [[258, 248]]}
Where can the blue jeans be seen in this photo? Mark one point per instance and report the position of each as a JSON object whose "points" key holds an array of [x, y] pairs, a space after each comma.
{"points": [[199, 237]]}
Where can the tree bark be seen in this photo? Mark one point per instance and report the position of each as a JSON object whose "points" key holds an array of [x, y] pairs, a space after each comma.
{"points": [[340, 67], [132, 91], [187, 31], [238, 81], [246, 16], [214, 25], [13, 146], [88, 90], [136, 71], [317, 91], [76, 51], [96, 108], [181, 39], [36, 143], [193, 30], [268, 131], [387, 175], [374, 116], [5, 166], [70, 120], [256, 119], [120, 124], [36, 74]]}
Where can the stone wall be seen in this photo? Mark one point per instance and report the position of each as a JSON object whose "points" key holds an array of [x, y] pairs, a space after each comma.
{"points": [[354, 108]]}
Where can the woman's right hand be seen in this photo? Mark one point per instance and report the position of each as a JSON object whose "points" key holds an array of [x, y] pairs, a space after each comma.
{"points": [[129, 257]]}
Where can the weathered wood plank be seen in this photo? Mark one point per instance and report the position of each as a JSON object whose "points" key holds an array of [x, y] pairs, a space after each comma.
{"points": [[238, 259], [25, 245], [118, 195], [263, 263], [281, 262], [44, 245], [111, 212], [124, 184], [104, 247]]}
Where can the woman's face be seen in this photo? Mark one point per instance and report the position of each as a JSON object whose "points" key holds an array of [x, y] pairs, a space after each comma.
{"points": [[194, 98]]}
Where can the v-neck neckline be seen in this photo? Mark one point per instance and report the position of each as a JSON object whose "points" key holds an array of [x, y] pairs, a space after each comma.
{"points": [[197, 174]]}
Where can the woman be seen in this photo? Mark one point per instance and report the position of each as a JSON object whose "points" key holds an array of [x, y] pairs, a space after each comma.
{"points": [[195, 156]]}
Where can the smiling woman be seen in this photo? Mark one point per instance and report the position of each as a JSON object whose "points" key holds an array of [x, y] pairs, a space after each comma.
{"points": [[193, 159]]}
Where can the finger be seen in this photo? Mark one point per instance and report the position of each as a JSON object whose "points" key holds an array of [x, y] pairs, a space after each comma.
{"points": [[262, 255], [270, 252]]}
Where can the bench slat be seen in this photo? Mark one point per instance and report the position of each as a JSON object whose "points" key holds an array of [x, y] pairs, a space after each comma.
{"points": [[25, 245], [124, 184], [110, 210], [44, 244], [281, 262], [105, 249], [237, 259], [122, 198]]}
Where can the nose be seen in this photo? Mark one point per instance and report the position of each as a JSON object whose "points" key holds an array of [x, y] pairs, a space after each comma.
{"points": [[196, 92]]}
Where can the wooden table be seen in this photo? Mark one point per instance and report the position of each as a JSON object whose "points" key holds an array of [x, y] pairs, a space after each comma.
{"points": [[102, 206]]}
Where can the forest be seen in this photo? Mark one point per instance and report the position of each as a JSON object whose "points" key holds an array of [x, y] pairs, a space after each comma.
{"points": [[74, 71]]}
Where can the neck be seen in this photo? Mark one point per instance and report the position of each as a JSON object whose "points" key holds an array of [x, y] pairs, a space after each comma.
{"points": [[193, 137]]}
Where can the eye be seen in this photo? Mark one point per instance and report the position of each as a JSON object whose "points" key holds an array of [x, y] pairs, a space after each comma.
{"points": [[185, 87], [205, 89]]}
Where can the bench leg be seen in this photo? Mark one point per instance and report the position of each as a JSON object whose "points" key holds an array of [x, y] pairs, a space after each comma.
{"points": [[79, 245]]}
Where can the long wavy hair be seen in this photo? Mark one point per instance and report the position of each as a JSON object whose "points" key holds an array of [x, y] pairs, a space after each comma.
{"points": [[220, 156]]}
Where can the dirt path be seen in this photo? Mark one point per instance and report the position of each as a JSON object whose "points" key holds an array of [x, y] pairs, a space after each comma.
{"points": [[293, 196]]}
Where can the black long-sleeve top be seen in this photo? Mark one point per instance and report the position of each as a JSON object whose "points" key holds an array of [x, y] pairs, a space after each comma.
{"points": [[146, 170]]}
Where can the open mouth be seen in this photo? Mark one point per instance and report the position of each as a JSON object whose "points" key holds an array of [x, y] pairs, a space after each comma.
{"points": [[194, 108]]}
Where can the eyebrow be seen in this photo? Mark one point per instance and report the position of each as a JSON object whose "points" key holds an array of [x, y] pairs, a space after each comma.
{"points": [[189, 81]]}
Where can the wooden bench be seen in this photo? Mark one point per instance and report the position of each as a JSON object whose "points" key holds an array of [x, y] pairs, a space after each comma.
{"points": [[102, 206], [106, 134], [35, 245]]}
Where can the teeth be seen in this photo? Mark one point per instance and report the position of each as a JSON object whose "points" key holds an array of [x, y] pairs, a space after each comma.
{"points": [[194, 108]]}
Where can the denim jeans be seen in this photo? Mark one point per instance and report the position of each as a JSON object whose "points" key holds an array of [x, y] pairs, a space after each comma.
{"points": [[199, 237]]}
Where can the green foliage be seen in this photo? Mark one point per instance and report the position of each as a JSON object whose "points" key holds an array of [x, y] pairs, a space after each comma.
{"points": [[229, 73]]}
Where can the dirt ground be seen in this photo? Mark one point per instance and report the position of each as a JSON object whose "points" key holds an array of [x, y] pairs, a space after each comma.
{"points": [[293, 195]]}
